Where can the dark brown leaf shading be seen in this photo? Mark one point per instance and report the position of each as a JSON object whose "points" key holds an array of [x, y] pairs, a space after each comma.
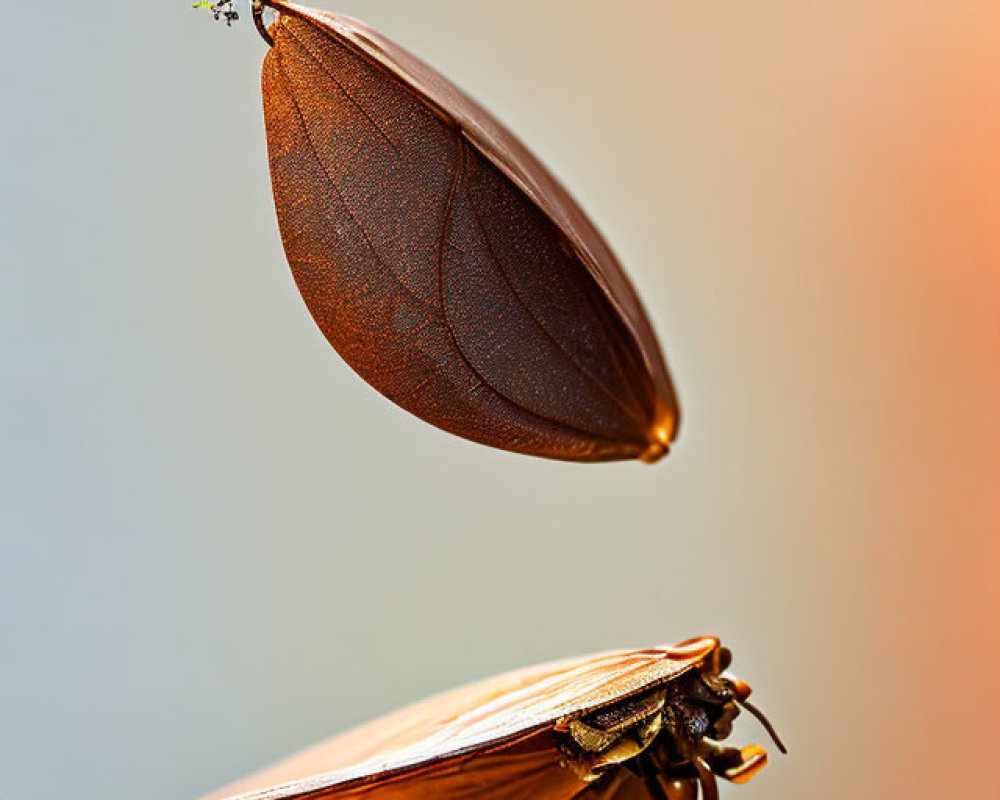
{"points": [[444, 263]]}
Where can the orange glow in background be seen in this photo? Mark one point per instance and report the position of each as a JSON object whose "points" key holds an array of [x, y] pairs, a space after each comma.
{"points": [[219, 546]]}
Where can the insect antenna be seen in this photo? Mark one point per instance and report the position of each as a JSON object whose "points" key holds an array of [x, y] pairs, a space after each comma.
{"points": [[765, 722]]}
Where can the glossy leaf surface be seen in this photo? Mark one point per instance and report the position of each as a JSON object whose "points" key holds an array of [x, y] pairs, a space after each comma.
{"points": [[443, 261], [493, 739]]}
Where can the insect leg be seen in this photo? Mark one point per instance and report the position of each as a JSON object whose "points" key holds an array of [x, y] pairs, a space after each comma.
{"points": [[655, 788], [709, 788], [737, 766], [661, 780], [677, 789]]}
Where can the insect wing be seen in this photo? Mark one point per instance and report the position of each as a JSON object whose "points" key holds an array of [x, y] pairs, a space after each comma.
{"points": [[467, 736]]}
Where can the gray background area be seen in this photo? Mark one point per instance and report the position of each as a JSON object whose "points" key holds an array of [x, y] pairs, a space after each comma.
{"points": [[218, 545]]}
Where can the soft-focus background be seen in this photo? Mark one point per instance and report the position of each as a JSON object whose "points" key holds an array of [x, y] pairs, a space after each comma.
{"points": [[218, 545]]}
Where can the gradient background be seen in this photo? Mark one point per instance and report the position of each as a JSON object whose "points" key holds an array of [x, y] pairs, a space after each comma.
{"points": [[219, 545]]}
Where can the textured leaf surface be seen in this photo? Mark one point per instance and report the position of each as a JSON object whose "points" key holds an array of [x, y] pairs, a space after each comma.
{"points": [[444, 263]]}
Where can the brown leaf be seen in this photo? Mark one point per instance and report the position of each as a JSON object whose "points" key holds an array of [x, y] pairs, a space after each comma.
{"points": [[442, 260]]}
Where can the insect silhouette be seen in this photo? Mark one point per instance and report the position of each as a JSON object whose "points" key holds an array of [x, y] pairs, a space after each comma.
{"points": [[621, 725], [443, 261]]}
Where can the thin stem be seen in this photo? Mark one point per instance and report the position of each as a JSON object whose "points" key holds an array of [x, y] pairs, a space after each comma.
{"points": [[258, 21]]}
